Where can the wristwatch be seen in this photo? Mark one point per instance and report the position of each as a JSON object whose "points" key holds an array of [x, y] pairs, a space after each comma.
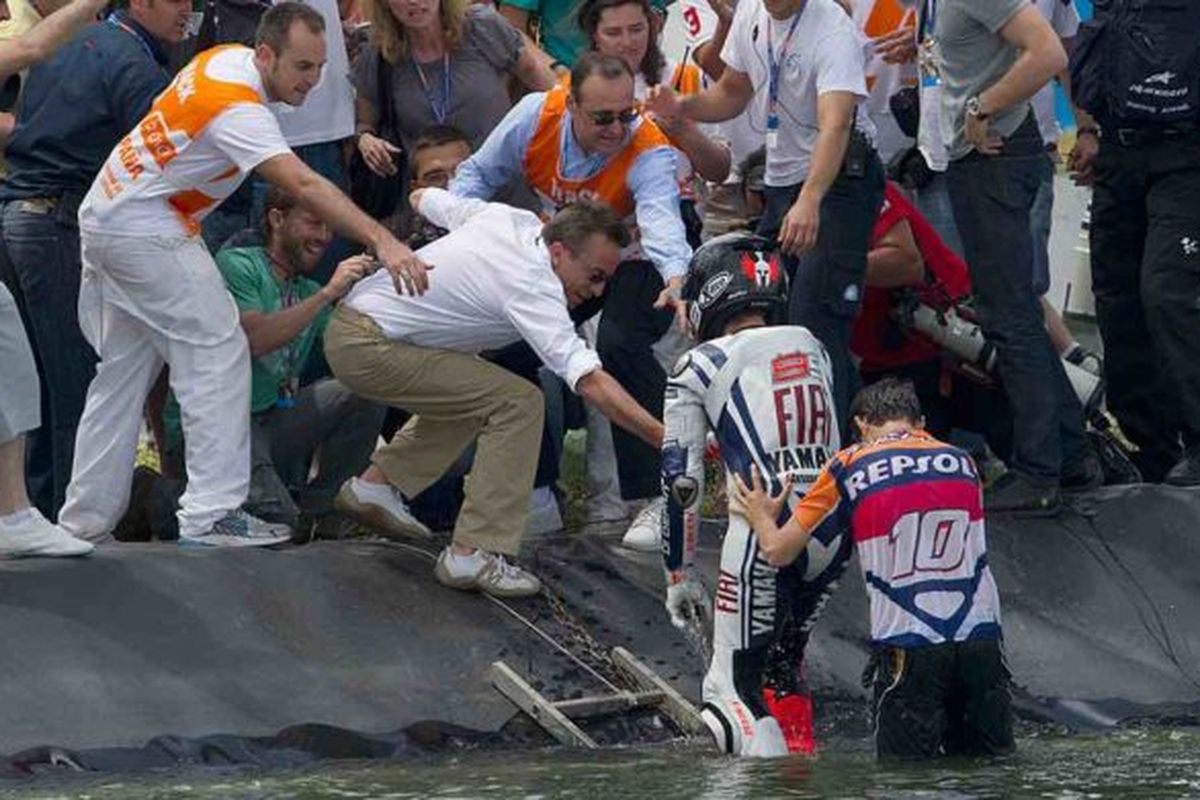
{"points": [[975, 108]]}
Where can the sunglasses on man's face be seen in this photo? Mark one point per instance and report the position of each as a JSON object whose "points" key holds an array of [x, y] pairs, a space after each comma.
{"points": [[606, 118]]}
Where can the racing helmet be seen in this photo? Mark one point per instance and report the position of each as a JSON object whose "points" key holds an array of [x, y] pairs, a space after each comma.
{"points": [[730, 274]]}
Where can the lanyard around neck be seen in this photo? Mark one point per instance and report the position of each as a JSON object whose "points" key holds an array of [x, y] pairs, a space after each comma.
{"points": [[441, 110], [775, 66], [117, 22], [928, 19]]}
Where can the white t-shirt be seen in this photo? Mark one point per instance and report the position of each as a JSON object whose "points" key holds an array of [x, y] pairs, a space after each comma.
{"points": [[202, 135], [492, 285], [327, 114], [744, 133], [1065, 20], [825, 55], [876, 18]]}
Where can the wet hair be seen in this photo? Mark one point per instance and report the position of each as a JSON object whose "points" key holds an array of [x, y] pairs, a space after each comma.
{"points": [[593, 63], [751, 170], [277, 22], [579, 221], [652, 60], [888, 400]]}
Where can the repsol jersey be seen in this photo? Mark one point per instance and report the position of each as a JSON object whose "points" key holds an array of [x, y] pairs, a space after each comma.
{"points": [[914, 508], [766, 395]]}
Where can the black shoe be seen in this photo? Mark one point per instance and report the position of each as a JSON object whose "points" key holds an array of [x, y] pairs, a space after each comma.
{"points": [[1086, 473], [1186, 472], [1013, 493]]}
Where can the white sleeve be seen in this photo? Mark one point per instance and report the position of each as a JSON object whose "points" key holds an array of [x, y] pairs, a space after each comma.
{"points": [[839, 64], [542, 319], [699, 22], [739, 44], [447, 210], [249, 134]]}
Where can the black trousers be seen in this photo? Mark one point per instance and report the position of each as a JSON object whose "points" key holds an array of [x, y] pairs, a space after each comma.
{"points": [[992, 197], [625, 340], [943, 699], [1145, 243], [827, 281]]}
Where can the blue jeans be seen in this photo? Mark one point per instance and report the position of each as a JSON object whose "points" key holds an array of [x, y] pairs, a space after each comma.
{"points": [[933, 201], [1041, 216], [992, 198], [827, 281], [42, 241]]}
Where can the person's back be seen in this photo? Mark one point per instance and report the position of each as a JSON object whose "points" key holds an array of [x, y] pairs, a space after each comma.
{"points": [[914, 508], [468, 308], [765, 392], [766, 396], [202, 136]]}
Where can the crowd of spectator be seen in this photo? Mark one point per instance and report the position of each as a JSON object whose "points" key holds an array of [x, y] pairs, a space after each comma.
{"points": [[562, 168]]}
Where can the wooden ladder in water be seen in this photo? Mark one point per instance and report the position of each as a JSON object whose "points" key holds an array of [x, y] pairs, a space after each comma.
{"points": [[558, 717]]}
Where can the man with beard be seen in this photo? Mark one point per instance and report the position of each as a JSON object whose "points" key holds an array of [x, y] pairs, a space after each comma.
{"points": [[283, 314]]}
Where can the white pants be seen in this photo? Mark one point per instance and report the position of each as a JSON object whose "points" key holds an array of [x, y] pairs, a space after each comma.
{"points": [[145, 302]]}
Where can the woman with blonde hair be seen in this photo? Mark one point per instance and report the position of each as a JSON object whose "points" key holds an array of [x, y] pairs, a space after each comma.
{"points": [[442, 62]]}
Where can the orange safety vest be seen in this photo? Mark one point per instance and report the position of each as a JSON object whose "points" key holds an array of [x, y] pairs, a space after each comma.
{"points": [[610, 185], [177, 117]]}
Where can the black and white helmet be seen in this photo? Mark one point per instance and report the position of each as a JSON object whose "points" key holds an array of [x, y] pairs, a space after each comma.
{"points": [[730, 274]]}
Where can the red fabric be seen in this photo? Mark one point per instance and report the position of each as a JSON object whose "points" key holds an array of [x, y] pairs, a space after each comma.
{"points": [[794, 714], [946, 280]]}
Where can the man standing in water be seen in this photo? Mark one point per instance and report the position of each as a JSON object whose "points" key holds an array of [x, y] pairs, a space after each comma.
{"points": [[914, 508]]}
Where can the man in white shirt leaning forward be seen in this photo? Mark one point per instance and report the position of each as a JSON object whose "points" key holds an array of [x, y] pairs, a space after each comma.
{"points": [[501, 276]]}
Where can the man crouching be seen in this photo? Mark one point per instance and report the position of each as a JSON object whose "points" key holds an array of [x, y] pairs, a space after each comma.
{"points": [[913, 507]]}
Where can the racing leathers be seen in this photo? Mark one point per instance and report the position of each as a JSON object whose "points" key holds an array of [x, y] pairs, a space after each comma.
{"points": [[766, 394]]}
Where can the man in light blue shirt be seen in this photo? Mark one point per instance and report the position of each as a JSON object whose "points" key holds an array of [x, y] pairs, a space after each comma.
{"points": [[589, 142]]}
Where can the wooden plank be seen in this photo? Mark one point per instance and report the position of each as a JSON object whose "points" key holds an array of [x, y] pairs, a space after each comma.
{"points": [[585, 707], [529, 700], [677, 707]]}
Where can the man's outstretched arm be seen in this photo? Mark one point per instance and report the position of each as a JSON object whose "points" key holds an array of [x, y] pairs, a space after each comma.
{"points": [[46, 37]]}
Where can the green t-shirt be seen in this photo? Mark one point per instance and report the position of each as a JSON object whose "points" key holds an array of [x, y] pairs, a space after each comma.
{"points": [[558, 25], [255, 287]]}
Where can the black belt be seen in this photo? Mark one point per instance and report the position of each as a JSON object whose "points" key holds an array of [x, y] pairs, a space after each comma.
{"points": [[1134, 137]]}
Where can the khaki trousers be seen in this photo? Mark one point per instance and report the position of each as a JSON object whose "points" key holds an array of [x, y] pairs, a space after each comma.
{"points": [[454, 398]]}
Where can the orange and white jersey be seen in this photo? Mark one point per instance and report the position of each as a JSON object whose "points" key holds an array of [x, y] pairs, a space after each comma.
{"points": [[202, 135], [610, 184], [684, 79]]}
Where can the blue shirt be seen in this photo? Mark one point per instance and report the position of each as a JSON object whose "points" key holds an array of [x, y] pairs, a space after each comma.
{"points": [[76, 106], [651, 180]]}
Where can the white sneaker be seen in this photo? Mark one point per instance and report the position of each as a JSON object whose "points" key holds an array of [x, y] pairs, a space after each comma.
{"points": [[239, 529], [544, 516], [27, 533], [645, 533], [380, 506], [487, 572]]}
